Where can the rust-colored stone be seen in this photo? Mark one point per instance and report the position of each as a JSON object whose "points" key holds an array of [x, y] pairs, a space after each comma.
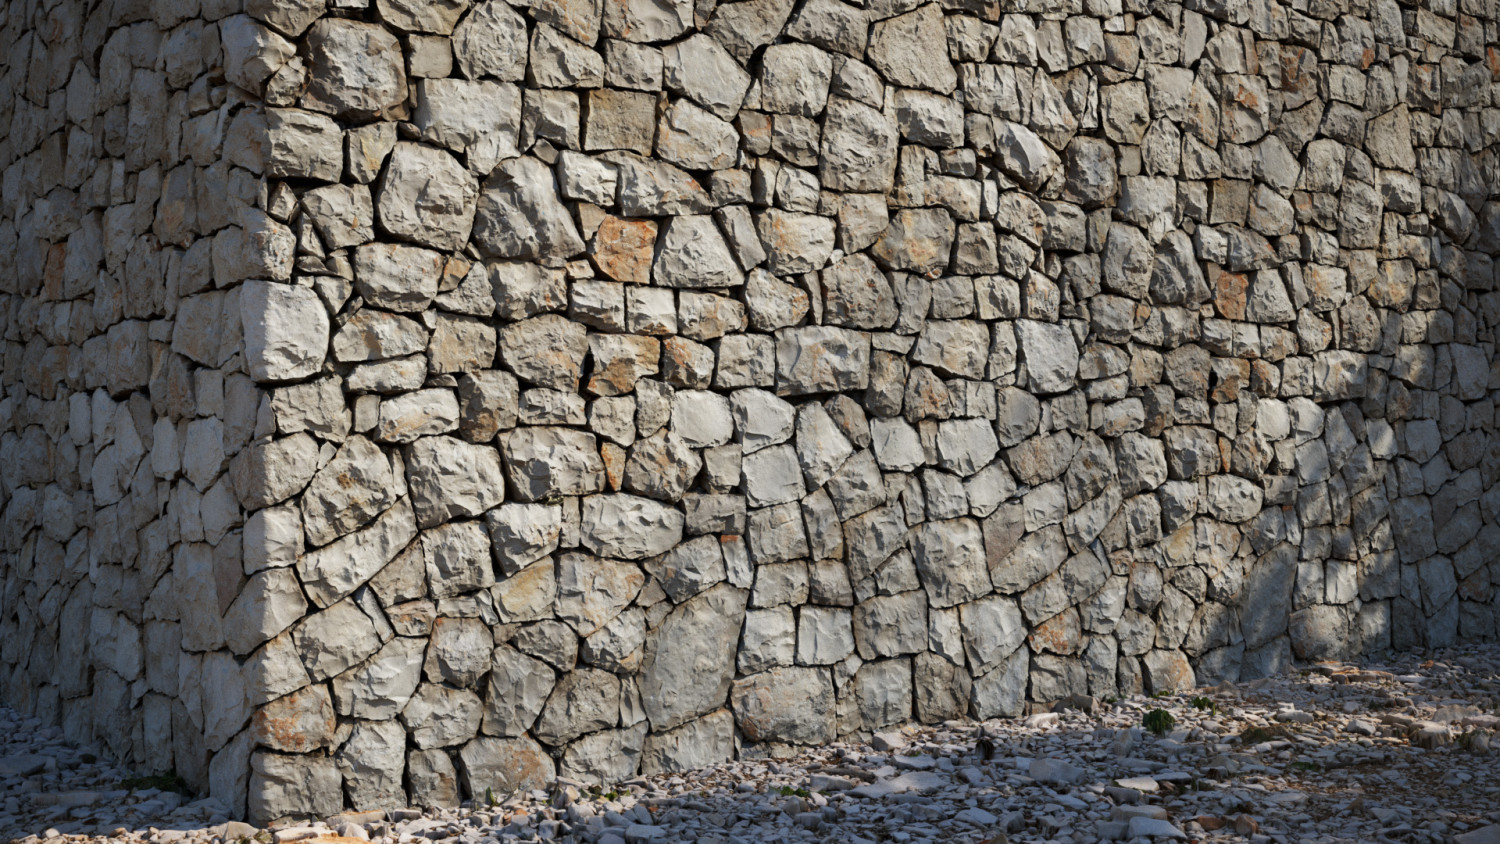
{"points": [[1229, 292], [52, 272], [1298, 70], [622, 249], [1059, 634], [755, 131], [1230, 376], [620, 361], [614, 465], [1264, 378], [300, 722], [1476, 587], [527, 595], [454, 271]]}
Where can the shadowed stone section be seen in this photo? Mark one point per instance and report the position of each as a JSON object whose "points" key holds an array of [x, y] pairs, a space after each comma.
{"points": [[268, 604]]}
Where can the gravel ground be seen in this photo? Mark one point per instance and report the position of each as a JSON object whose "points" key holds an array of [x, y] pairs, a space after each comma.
{"points": [[1407, 750]]}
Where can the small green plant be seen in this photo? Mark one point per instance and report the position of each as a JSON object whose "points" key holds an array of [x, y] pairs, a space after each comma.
{"points": [[169, 781], [789, 791], [611, 795], [1203, 704], [489, 796], [1305, 766], [1473, 740], [1159, 721], [1260, 735]]}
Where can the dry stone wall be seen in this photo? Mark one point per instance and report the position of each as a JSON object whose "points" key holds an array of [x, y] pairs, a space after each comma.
{"points": [[409, 399], [132, 220]]}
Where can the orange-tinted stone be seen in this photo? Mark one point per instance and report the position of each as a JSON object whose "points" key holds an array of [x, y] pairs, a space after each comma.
{"points": [[622, 249]]}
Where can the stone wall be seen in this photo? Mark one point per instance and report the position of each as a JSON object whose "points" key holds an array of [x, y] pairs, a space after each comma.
{"points": [[410, 398]]}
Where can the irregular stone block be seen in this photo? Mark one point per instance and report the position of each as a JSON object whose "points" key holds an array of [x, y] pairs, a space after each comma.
{"points": [[793, 705], [689, 664]]}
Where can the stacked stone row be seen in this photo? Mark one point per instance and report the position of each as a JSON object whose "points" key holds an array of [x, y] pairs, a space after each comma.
{"points": [[580, 389]]}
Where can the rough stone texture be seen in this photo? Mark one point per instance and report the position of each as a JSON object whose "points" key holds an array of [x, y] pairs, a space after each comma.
{"points": [[757, 372]]}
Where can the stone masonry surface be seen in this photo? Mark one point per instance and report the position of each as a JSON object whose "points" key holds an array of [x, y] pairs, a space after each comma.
{"points": [[406, 401]]}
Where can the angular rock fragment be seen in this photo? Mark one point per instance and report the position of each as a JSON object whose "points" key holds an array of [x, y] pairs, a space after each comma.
{"points": [[479, 119], [698, 67], [435, 16], [786, 704], [591, 591], [545, 462], [690, 252], [859, 148], [817, 359], [450, 478], [505, 765], [491, 42], [547, 350], [629, 527]]}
